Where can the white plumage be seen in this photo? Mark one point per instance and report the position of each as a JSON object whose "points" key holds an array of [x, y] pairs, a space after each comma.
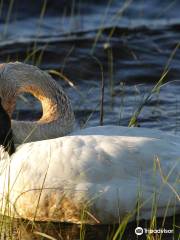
{"points": [[104, 172]]}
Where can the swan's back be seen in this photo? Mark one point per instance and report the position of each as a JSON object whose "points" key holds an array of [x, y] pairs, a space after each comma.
{"points": [[104, 175], [111, 130]]}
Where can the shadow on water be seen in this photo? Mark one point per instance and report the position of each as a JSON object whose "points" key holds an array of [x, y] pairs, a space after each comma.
{"points": [[24, 230]]}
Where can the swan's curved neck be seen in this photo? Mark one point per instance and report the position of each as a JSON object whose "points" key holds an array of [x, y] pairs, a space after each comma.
{"points": [[58, 117]]}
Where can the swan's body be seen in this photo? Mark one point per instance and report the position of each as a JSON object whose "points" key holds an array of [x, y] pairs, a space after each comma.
{"points": [[104, 172], [105, 175]]}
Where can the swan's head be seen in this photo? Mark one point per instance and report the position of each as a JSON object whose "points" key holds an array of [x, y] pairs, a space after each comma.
{"points": [[1, 105]]}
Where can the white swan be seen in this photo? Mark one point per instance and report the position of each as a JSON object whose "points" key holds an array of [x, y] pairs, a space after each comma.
{"points": [[58, 117], [95, 175]]}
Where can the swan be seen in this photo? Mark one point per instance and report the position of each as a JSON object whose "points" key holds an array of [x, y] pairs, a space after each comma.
{"points": [[97, 175], [58, 117]]}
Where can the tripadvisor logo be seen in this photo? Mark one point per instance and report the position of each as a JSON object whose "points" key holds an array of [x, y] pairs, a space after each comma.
{"points": [[140, 231]]}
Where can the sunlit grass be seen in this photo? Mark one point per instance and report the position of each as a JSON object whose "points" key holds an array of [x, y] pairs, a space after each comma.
{"points": [[10, 9]]}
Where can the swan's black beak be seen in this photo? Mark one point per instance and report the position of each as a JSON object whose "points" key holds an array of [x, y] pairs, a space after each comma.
{"points": [[6, 134], [4, 105]]}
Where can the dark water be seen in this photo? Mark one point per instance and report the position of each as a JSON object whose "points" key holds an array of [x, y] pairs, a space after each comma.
{"points": [[132, 42]]}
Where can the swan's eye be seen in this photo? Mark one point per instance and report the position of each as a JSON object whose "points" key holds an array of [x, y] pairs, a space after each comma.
{"points": [[27, 108]]}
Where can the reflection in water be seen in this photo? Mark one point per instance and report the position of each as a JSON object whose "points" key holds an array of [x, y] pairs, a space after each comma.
{"points": [[24, 230]]}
